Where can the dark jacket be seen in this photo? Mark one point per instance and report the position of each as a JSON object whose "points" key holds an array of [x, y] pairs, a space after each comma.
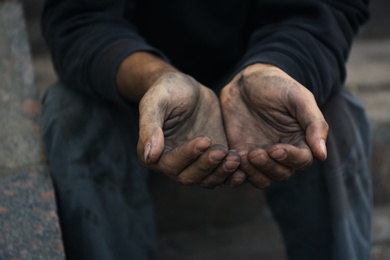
{"points": [[210, 40]]}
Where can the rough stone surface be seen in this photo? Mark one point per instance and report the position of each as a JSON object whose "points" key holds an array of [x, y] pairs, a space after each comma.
{"points": [[28, 219], [29, 226], [17, 93]]}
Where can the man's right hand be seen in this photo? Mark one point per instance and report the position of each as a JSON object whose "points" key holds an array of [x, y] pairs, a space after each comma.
{"points": [[181, 133]]}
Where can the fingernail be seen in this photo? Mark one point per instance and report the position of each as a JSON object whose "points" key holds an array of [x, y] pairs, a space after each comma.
{"points": [[279, 154], [238, 178], [217, 156], [147, 152], [323, 148], [261, 159], [203, 145], [230, 165]]}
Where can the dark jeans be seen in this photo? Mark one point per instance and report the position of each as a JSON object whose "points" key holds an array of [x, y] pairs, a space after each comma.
{"points": [[106, 210]]}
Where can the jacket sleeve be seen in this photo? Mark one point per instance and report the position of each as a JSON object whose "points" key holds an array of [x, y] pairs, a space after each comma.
{"points": [[88, 40], [308, 39]]}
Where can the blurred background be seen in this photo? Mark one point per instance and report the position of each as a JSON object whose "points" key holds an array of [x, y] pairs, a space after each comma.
{"points": [[224, 224]]}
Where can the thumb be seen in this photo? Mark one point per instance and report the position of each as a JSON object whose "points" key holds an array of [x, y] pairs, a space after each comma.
{"points": [[316, 134], [313, 123], [151, 137]]}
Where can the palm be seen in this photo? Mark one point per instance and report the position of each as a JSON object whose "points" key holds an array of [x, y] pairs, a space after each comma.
{"points": [[182, 134], [193, 111], [267, 116]]}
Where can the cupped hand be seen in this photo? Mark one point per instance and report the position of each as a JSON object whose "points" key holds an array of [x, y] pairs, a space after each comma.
{"points": [[181, 133], [273, 122]]}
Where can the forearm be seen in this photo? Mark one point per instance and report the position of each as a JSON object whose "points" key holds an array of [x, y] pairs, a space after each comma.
{"points": [[137, 73], [89, 40]]}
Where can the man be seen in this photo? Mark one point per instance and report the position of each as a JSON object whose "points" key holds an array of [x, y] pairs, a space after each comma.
{"points": [[227, 92]]}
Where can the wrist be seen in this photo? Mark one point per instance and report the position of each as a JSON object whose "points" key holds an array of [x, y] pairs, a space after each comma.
{"points": [[138, 72], [258, 68]]}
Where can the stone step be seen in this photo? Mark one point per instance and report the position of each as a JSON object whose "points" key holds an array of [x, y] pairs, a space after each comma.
{"points": [[29, 227]]}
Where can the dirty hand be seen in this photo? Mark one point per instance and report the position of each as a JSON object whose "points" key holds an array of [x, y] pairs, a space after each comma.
{"points": [[273, 122], [181, 133]]}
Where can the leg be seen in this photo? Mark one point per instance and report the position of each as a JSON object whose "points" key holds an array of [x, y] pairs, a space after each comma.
{"points": [[325, 212], [104, 205]]}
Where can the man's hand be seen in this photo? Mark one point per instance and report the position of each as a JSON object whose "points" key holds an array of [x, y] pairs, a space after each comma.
{"points": [[181, 133], [273, 122]]}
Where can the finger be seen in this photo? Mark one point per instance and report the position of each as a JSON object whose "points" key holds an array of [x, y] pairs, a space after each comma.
{"points": [[264, 163], [256, 177], [295, 157], [203, 166], [234, 180], [173, 162], [225, 169]]}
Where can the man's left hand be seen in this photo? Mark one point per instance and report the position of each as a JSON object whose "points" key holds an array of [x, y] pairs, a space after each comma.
{"points": [[273, 122]]}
